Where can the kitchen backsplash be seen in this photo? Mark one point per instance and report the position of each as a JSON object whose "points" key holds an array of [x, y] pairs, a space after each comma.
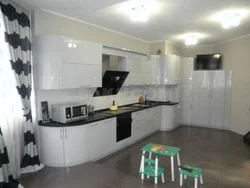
{"points": [[125, 96]]}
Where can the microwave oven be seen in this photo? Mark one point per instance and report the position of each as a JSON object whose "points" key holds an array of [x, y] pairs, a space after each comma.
{"points": [[70, 112]]}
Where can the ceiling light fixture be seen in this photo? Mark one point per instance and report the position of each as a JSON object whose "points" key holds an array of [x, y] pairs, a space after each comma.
{"points": [[140, 10], [191, 40], [230, 19]]}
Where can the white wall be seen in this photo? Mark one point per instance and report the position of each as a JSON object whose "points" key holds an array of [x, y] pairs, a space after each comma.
{"points": [[236, 57], [45, 23], [166, 48], [126, 95], [155, 46], [173, 49], [193, 51]]}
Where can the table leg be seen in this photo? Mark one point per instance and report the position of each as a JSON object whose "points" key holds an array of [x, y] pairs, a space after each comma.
{"points": [[141, 161], [150, 157], [196, 183], [181, 180], [201, 179], [172, 168], [178, 161]]}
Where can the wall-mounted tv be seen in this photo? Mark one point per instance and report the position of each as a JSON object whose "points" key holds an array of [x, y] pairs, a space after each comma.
{"points": [[208, 62]]}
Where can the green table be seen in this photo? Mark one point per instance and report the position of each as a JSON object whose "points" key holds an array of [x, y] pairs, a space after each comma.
{"points": [[163, 150]]}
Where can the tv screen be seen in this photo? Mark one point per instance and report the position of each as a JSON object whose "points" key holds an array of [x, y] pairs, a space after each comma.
{"points": [[208, 62]]}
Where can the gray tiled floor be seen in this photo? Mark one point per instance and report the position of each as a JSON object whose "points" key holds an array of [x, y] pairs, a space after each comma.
{"points": [[222, 155]]}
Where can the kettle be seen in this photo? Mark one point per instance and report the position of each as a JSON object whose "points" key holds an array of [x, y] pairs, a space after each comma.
{"points": [[114, 107]]}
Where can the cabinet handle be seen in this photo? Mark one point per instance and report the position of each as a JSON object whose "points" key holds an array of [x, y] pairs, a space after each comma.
{"points": [[61, 133], [66, 135]]}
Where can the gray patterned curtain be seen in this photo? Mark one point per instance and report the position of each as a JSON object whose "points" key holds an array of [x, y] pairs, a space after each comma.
{"points": [[17, 36]]}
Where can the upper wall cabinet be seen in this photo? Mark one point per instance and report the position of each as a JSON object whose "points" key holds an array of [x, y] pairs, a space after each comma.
{"points": [[165, 69], [76, 51], [139, 71], [63, 63]]}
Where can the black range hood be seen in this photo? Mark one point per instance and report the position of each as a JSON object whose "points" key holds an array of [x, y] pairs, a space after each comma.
{"points": [[112, 82]]}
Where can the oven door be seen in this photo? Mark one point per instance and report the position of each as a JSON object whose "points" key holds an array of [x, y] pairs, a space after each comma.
{"points": [[79, 112], [123, 129]]}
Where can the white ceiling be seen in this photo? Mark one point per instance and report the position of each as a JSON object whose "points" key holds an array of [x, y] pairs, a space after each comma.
{"points": [[174, 18]]}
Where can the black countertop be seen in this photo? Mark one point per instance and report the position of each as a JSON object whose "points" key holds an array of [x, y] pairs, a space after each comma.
{"points": [[107, 114]]}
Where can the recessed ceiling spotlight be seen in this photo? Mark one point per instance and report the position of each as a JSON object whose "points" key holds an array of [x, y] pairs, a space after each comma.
{"points": [[229, 19], [191, 38], [140, 10]]}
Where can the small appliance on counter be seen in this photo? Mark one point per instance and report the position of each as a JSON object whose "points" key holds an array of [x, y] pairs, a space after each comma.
{"points": [[69, 112], [114, 107]]}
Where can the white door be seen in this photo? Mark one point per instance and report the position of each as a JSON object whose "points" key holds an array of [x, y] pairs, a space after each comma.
{"points": [[51, 146], [228, 100], [201, 98], [76, 144], [80, 75], [217, 103]]}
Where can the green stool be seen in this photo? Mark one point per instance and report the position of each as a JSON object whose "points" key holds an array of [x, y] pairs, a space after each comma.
{"points": [[152, 169], [192, 172]]}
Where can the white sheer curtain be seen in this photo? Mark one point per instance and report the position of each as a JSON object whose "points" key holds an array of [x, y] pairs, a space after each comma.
{"points": [[11, 116]]}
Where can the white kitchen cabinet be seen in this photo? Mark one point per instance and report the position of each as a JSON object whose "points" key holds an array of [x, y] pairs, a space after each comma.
{"points": [[103, 138], [169, 118], [52, 146], [185, 89], [157, 118], [76, 145], [81, 75], [69, 146], [139, 71], [156, 65], [47, 54], [217, 98], [169, 70], [210, 98], [82, 52], [201, 97], [52, 57]]}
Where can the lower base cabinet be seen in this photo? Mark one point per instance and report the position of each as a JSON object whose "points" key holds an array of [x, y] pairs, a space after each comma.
{"points": [[69, 146], [170, 117]]}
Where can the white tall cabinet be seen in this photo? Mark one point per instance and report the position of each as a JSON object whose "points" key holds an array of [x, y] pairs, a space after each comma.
{"points": [[211, 98]]}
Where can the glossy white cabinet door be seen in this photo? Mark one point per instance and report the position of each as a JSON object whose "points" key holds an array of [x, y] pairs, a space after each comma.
{"points": [[169, 69], [81, 75], [47, 62], [76, 144], [51, 146], [168, 118], [186, 113], [156, 62], [92, 53], [157, 118], [177, 115], [81, 52], [201, 98], [217, 103], [103, 138], [187, 67], [185, 93]]}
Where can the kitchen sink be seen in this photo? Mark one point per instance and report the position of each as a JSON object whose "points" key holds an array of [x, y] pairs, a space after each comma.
{"points": [[142, 105]]}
